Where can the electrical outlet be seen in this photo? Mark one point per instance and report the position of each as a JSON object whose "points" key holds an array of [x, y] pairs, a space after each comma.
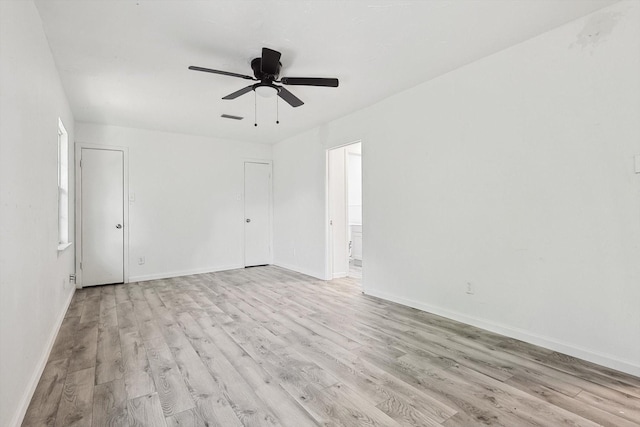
{"points": [[141, 260], [470, 289]]}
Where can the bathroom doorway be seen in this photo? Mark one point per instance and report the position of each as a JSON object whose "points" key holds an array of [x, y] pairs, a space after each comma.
{"points": [[345, 211]]}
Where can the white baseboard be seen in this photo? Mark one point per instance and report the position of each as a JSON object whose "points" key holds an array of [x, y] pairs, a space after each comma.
{"points": [[520, 334], [21, 411], [170, 274], [301, 270]]}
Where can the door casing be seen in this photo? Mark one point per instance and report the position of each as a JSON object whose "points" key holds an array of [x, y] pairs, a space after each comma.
{"points": [[329, 249], [338, 216]]}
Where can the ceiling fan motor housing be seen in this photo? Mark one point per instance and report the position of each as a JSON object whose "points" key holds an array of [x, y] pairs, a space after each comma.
{"points": [[256, 66]]}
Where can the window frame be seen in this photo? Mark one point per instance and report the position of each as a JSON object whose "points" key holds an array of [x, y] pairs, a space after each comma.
{"points": [[63, 187]]}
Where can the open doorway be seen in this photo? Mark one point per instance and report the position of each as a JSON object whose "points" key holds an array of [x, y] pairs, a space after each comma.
{"points": [[345, 211]]}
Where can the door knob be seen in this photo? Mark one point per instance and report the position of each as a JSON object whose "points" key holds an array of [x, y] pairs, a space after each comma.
{"points": [[247, 220], [119, 226]]}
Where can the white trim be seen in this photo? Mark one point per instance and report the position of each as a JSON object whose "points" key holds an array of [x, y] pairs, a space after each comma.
{"points": [[355, 141], [18, 417], [254, 160], [170, 274], [328, 251], [329, 274], [64, 167], [549, 343], [78, 194]]}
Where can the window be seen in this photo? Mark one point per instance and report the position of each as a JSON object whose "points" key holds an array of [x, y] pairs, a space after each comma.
{"points": [[63, 187]]}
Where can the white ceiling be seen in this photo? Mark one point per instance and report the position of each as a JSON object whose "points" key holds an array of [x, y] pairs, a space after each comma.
{"points": [[125, 62]]}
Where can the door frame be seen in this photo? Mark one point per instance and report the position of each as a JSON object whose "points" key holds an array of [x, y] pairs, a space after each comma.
{"points": [[78, 206], [270, 207], [328, 236]]}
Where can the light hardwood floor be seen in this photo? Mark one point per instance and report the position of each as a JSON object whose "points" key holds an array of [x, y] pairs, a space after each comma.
{"points": [[266, 346]]}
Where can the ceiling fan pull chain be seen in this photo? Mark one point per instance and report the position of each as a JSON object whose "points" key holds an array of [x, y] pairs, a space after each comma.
{"points": [[277, 111], [255, 109]]}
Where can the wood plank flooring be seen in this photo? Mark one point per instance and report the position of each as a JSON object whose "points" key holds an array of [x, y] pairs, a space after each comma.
{"points": [[270, 347]]}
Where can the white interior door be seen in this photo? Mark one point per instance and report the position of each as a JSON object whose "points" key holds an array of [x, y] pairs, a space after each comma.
{"points": [[102, 199], [257, 214], [339, 241]]}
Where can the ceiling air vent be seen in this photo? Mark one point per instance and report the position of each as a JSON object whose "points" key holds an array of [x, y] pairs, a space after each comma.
{"points": [[229, 116]]}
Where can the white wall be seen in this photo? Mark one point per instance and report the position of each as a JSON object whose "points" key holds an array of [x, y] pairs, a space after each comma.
{"points": [[515, 174], [187, 216], [34, 277], [299, 204]]}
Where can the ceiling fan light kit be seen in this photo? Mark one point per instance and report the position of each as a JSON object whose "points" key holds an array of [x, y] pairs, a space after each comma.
{"points": [[266, 71], [266, 91]]}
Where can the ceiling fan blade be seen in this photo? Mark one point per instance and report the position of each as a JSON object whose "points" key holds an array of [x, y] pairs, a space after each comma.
{"points": [[309, 81], [291, 99], [237, 93], [270, 61], [224, 73]]}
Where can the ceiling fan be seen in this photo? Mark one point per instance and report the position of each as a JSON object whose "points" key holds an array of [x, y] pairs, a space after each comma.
{"points": [[266, 71]]}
